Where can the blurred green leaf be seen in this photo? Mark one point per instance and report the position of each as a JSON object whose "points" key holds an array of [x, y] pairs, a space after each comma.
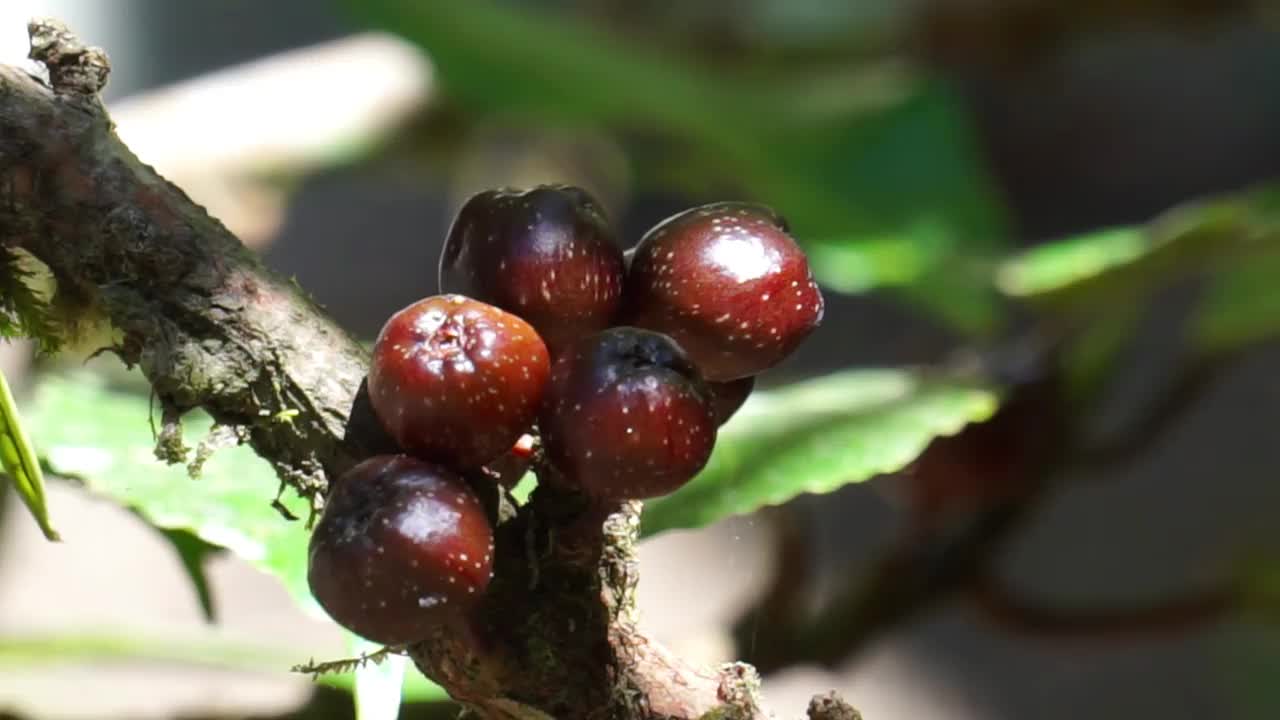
{"points": [[194, 553], [524, 487], [1249, 651], [1245, 662], [24, 650], [1101, 278], [890, 192], [20, 461], [817, 436], [26, 302], [1090, 359], [1241, 305], [912, 168], [865, 264], [1093, 274], [89, 431], [508, 59], [1060, 264]]}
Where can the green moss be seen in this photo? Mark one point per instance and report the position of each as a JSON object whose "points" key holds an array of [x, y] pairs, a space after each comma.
{"points": [[26, 292]]}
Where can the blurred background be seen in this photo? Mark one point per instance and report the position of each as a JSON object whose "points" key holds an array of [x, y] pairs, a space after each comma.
{"points": [[923, 152]]}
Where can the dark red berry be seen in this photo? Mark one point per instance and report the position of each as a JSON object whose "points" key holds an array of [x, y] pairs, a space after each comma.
{"points": [[401, 546], [457, 381], [729, 284], [547, 254], [727, 397], [627, 415]]}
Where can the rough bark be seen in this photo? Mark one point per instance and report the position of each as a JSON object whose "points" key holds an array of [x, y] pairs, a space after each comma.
{"points": [[207, 324], [211, 328]]}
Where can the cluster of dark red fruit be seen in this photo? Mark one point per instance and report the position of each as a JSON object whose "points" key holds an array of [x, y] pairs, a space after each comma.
{"points": [[626, 364]]}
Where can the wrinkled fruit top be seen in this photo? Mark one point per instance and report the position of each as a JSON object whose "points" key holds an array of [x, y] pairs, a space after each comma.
{"points": [[456, 381]]}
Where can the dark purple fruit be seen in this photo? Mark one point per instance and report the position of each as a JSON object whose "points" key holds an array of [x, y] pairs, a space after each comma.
{"points": [[401, 547], [627, 416], [547, 254]]}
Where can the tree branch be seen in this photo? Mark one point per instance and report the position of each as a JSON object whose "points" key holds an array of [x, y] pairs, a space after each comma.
{"points": [[211, 328], [1004, 606]]}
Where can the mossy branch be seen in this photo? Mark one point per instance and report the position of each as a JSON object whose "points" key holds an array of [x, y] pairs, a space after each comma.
{"points": [[211, 328]]}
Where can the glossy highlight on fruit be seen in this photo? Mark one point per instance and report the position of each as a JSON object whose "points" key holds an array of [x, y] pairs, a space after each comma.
{"points": [[729, 284], [627, 416], [400, 546], [456, 381], [547, 254]]}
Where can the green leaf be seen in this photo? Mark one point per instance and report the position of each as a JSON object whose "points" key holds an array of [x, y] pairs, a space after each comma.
{"points": [[1091, 357], [25, 293], [1092, 274], [524, 487], [892, 191], [27, 649], [1241, 306], [1249, 655], [817, 436], [20, 461], [1232, 242], [1060, 264], [194, 553], [502, 59], [911, 168], [88, 431], [102, 436], [867, 263], [1244, 662]]}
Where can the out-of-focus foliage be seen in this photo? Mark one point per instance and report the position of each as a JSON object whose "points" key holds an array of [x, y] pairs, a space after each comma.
{"points": [[1241, 305], [817, 436], [880, 176], [28, 650], [1098, 285], [1232, 244], [20, 461], [100, 436], [886, 188], [87, 431]]}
